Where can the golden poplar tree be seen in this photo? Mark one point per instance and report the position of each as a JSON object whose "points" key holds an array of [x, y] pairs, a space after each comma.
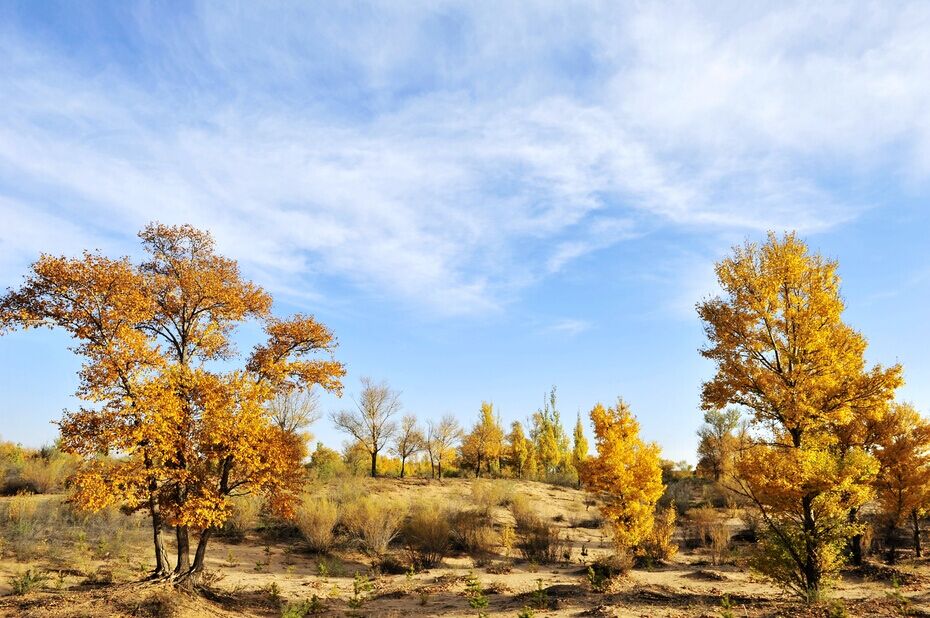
{"points": [[549, 437], [485, 443], [518, 448], [184, 435], [580, 447], [784, 354], [903, 482], [626, 474]]}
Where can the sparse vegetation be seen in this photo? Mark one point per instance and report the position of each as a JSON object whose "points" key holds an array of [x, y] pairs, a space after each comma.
{"points": [[316, 519], [374, 523]]}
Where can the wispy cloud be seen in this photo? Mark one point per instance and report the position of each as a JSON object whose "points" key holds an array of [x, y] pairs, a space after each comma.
{"points": [[446, 158], [569, 326]]}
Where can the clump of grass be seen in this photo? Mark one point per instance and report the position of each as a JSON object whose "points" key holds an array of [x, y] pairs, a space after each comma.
{"points": [[427, 534], [244, 516], [659, 545], [49, 527], [27, 581], [487, 494], [316, 520], [375, 522], [473, 532], [537, 540]]}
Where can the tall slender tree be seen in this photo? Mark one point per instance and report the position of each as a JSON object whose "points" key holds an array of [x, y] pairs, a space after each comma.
{"points": [[626, 473], [580, 448]]}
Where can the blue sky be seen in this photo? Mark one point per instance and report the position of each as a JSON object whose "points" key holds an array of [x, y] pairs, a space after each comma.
{"points": [[481, 199]]}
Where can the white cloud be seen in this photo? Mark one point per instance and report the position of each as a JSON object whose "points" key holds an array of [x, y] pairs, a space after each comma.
{"points": [[569, 326], [446, 158]]}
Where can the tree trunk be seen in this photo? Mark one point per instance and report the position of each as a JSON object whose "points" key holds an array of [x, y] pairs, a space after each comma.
{"points": [[855, 542], [891, 554], [915, 522], [374, 464], [161, 556], [478, 468], [184, 548], [812, 573], [439, 467], [403, 461], [201, 552]]}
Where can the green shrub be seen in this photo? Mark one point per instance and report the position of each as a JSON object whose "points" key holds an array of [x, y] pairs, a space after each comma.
{"points": [[27, 581]]}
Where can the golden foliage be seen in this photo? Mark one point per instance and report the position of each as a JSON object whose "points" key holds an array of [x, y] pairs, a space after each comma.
{"points": [[189, 435], [626, 474], [485, 443], [782, 352]]}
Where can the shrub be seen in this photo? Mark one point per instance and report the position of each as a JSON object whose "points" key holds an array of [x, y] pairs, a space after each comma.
{"points": [[27, 581], [316, 519], [374, 522], [537, 540], [33, 471], [427, 534], [702, 520], [485, 495], [243, 517], [659, 545], [472, 532], [719, 542], [540, 542], [522, 510], [605, 569]]}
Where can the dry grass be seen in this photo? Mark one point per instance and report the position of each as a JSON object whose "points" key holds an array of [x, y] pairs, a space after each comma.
{"points": [[374, 522], [427, 534], [243, 518], [316, 519], [537, 540]]}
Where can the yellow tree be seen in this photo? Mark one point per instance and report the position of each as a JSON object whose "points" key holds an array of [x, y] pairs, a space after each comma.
{"points": [[485, 442], [903, 481], [626, 474], [580, 447], [549, 438], [184, 436], [783, 353], [518, 449]]}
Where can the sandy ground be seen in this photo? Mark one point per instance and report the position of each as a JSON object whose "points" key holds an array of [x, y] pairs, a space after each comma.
{"points": [[257, 578]]}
